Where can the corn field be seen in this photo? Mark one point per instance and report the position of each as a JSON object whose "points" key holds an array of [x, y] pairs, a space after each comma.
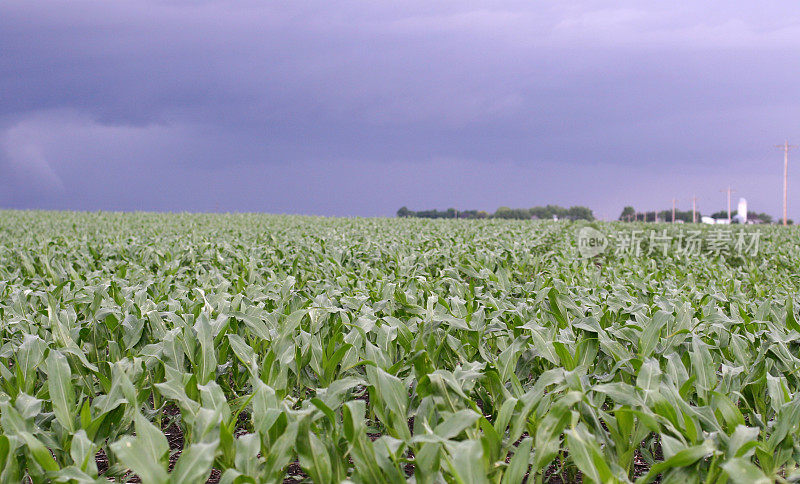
{"points": [[254, 348]]}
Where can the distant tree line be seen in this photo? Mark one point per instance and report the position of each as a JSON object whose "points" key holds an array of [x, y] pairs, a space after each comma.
{"points": [[764, 218], [546, 212], [449, 213]]}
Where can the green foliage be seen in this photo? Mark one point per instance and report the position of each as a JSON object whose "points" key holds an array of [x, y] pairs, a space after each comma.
{"points": [[376, 350], [543, 213], [449, 213], [759, 217], [629, 214]]}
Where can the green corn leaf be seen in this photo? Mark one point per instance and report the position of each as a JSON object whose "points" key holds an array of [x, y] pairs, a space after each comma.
{"points": [[83, 451], [586, 454], [466, 462], [194, 464], [519, 462], [791, 321], [62, 393], [313, 456], [742, 471], [39, 452], [144, 454], [682, 458]]}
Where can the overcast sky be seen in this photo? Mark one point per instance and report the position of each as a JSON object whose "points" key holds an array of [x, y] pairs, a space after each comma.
{"points": [[357, 108]]}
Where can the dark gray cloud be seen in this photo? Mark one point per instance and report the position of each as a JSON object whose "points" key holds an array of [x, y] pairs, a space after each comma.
{"points": [[356, 108]]}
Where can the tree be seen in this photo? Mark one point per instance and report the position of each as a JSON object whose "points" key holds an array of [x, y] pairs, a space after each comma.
{"points": [[547, 212], [503, 212], [764, 218], [580, 213], [628, 214], [540, 213]]}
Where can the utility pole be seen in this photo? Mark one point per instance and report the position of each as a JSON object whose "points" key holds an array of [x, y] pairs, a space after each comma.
{"points": [[786, 147], [694, 209], [729, 190], [673, 210]]}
